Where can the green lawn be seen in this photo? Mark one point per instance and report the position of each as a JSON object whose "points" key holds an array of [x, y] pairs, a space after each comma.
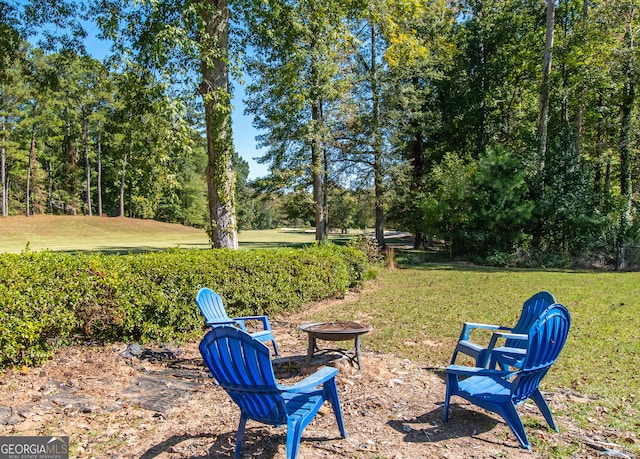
{"points": [[417, 313], [67, 233], [117, 235]]}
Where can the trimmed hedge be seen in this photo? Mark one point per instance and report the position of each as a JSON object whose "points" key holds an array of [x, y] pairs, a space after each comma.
{"points": [[50, 299]]}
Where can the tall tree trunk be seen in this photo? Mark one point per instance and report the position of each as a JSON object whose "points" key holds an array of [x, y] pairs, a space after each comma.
{"points": [[214, 90], [71, 161], [317, 169], [418, 170], [99, 165], [628, 99], [417, 175], [30, 167], [325, 184], [544, 89], [85, 138], [3, 170], [123, 174], [377, 142]]}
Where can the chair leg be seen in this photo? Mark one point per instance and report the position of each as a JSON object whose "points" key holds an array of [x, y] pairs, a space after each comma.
{"points": [[294, 436], [512, 418], [331, 393], [275, 348], [447, 396], [544, 408], [240, 435]]}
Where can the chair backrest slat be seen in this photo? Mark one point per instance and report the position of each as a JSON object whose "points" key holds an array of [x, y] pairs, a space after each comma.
{"points": [[242, 366], [546, 339], [211, 305], [531, 310]]}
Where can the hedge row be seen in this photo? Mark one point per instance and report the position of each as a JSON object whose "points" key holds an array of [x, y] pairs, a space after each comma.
{"points": [[52, 299]]}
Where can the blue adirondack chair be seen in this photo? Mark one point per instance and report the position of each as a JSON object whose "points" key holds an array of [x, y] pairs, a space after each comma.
{"points": [[212, 308], [501, 391], [241, 365], [531, 310]]}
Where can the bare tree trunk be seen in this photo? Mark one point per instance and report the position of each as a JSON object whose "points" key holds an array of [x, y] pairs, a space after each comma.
{"points": [[544, 89], [626, 124], [316, 171], [214, 90], [123, 173], [377, 144], [99, 165], [325, 185], [3, 167], [317, 175], [31, 165], [71, 161], [85, 135]]}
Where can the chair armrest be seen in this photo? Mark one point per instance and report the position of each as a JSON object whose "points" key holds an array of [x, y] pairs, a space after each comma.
{"points": [[263, 319], [507, 356], [477, 371], [316, 379], [498, 335], [468, 326], [514, 352], [507, 335]]}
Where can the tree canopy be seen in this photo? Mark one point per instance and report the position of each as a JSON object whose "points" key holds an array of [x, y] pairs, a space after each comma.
{"points": [[506, 129]]}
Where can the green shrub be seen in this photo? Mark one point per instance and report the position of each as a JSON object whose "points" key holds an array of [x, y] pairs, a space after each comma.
{"points": [[51, 299]]}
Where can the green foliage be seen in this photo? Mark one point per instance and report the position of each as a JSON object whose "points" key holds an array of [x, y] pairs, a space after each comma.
{"points": [[368, 246], [502, 207], [75, 107], [298, 207], [49, 299], [446, 209]]}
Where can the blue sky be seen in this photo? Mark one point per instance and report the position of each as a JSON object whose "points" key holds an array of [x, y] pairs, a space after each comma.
{"points": [[244, 135]]}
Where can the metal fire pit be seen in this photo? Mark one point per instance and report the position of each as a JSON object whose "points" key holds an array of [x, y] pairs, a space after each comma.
{"points": [[336, 331]]}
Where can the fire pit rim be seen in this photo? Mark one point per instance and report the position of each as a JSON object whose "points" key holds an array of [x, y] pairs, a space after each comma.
{"points": [[336, 335]]}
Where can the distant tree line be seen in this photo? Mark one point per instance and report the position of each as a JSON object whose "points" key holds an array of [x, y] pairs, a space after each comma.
{"points": [[80, 137], [505, 128]]}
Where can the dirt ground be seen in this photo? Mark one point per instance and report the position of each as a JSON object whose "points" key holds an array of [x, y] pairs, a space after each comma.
{"points": [[120, 401]]}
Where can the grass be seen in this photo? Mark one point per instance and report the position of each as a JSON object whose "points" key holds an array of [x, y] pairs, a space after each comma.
{"points": [[104, 234], [417, 313], [122, 235]]}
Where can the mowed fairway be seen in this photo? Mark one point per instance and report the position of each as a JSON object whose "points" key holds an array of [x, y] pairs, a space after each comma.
{"points": [[105, 234], [121, 235]]}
